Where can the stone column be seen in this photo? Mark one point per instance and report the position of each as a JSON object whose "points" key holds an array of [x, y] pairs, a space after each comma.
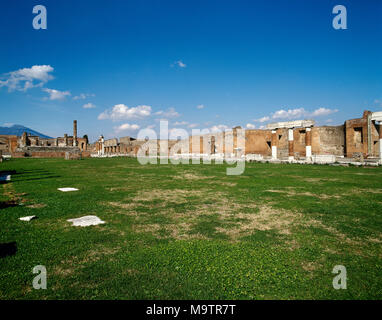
{"points": [[102, 145], [65, 140], [274, 144], [75, 133], [24, 140], [212, 144], [290, 144], [308, 143]]}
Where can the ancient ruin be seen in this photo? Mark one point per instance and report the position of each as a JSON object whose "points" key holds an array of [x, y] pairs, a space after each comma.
{"points": [[357, 140], [68, 147]]}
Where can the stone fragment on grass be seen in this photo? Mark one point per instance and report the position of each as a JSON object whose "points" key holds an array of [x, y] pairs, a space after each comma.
{"points": [[5, 178], [86, 221], [67, 189], [28, 218]]}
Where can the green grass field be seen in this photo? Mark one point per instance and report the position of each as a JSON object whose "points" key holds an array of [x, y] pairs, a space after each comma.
{"points": [[191, 231]]}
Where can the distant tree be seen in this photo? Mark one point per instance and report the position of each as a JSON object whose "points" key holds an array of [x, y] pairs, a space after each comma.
{"points": [[87, 139]]}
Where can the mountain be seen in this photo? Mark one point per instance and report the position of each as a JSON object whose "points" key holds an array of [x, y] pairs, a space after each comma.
{"points": [[18, 130]]}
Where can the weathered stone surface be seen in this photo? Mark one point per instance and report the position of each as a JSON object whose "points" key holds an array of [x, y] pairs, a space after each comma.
{"points": [[322, 159], [28, 218], [291, 124], [86, 221], [67, 189], [376, 116], [254, 157], [73, 155]]}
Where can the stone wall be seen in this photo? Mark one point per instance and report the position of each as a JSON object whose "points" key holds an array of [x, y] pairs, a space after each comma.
{"points": [[362, 136], [47, 152], [258, 142], [328, 140]]}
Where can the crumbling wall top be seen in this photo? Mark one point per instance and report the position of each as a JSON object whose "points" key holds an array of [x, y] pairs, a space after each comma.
{"points": [[291, 124]]}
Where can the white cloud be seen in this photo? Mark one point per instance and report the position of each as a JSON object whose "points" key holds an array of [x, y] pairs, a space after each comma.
{"points": [[123, 112], [219, 128], [88, 106], [295, 114], [56, 94], [192, 125], [169, 113], [320, 112], [83, 96], [27, 78], [179, 63], [126, 127], [200, 106], [250, 126], [290, 114], [263, 119], [180, 123]]}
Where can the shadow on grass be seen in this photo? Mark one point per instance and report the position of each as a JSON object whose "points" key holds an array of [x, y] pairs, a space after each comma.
{"points": [[26, 175], [8, 204], [8, 249]]}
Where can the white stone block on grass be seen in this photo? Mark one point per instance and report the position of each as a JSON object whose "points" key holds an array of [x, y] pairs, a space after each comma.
{"points": [[86, 221], [324, 158], [5, 178], [28, 218], [67, 189]]}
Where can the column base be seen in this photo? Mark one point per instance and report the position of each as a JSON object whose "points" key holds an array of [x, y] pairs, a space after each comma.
{"points": [[274, 152]]}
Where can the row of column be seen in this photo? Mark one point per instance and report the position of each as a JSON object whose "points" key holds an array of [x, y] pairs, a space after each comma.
{"points": [[113, 149], [308, 143]]}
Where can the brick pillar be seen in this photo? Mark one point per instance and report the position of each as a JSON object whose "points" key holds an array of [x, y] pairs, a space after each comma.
{"points": [[65, 139], [24, 140], [308, 143], [274, 144], [212, 144], [74, 133], [290, 144]]}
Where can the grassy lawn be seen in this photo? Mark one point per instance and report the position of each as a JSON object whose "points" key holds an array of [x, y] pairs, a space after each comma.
{"points": [[191, 231]]}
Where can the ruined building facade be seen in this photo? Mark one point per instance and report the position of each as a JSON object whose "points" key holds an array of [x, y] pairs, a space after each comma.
{"points": [[291, 140], [35, 146], [359, 138]]}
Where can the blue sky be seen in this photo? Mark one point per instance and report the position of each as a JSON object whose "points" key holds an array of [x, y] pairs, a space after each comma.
{"points": [[202, 64]]}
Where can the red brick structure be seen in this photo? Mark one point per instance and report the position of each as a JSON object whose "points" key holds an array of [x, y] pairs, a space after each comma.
{"points": [[37, 147], [291, 140]]}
